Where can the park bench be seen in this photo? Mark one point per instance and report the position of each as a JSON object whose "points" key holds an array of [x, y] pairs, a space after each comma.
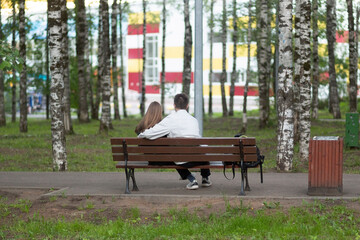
{"points": [[131, 153]]}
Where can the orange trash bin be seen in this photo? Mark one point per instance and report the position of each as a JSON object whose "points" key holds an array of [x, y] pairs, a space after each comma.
{"points": [[325, 166]]}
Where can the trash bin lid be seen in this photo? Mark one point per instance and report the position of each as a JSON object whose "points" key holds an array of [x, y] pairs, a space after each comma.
{"points": [[329, 138]]}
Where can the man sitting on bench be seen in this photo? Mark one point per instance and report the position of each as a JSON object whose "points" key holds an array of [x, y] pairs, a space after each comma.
{"points": [[180, 124]]}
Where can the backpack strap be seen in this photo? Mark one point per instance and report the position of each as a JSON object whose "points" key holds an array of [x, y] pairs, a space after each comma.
{"points": [[233, 171]]}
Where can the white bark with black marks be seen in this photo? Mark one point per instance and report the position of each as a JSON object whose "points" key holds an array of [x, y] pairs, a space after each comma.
{"points": [[114, 54], [80, 52], [223, 73], [65, 52], [162, 82], [297, 66], [263, 64], [56, 87], [234, 71], [143, 82], [14, 82], [285, 148], [122, 76], [248, 69], [331, 38], [315, 56], [186, 77], [105, 121], [305, 80], [211, 26]]}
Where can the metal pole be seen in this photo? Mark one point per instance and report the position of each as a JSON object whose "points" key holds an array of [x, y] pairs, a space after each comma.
{"points": [[198, 96]]}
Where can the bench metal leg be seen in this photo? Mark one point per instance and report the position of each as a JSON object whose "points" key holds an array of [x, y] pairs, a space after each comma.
{"points": [[132, 175], [242, 192], [247, 186], [127, 174]]}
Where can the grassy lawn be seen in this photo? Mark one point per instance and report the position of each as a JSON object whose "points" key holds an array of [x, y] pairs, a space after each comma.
{"points": [[88, 150], [322, 219]]}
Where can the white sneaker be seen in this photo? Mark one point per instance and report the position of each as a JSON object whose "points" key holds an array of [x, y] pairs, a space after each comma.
{"points": [[206, 182], [192, 185]]}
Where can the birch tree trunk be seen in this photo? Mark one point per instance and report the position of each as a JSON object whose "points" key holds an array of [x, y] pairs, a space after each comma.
{"points": [[315, 53], [121, 7], [263, 63], [47, 66], [114, 54], [244, 117], [13, 88], [80, 52], [234, 71], [211, 25], [2, 86], [305, 80], [297, 67], [57, 87], [88, 68], [162, 82], [331, 38], [23, 96], [186, 78], [353, 59], [65, 53], [95, 111], [143, 82], [223, 73], [285, 148], [105, 121]]}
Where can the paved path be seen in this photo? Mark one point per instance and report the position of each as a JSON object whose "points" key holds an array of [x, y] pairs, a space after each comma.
{"points": [[168, 185]]}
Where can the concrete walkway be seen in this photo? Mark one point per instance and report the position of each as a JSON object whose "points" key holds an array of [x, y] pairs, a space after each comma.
{"points": [[168, 185]]}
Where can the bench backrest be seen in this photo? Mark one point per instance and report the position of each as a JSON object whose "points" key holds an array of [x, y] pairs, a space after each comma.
{"points": [[184, 149]]}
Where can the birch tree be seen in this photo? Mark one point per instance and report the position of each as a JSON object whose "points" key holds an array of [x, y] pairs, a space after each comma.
{"points": [[122, 75], [162, 82], [186, 77], [211, 26], [14, 82], [88, 65], [263, 64], [80, 53], [114, 54], [223, 73], [57, 87], [305, 80], [248, 38], [143, 83], [285, 148], [331, 38], [315, 55], [353, 59], [105, 121], [297, 67], [22, 43], [65, 53], [95, 111], [2, 86], [234, 71]]}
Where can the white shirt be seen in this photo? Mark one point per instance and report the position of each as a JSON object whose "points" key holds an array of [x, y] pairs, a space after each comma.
{"points": [[177, 124]]}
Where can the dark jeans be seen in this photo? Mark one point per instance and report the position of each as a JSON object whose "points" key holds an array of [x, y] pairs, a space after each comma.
{"points": [[184, 173]]}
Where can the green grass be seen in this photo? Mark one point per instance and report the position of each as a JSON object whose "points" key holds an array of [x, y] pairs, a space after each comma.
{"points": [[87, 150], [310, 221]]}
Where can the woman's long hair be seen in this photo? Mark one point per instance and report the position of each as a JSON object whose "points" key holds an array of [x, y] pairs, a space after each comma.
{"points": [[152, 116]]}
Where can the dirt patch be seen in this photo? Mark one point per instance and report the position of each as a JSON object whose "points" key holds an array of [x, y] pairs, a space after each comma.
{"points": [[25, 203]]}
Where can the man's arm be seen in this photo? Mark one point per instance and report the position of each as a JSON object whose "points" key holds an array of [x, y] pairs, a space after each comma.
{"points": [[159, 130]]}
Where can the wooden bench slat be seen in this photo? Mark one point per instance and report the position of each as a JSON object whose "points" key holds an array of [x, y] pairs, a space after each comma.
{"points": [[168, 149], [185, 158], [184, 141]]}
